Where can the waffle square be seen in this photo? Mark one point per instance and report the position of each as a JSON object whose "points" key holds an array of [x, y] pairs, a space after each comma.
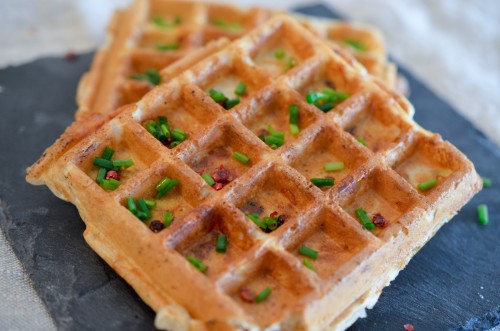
{"points": [[264, 280]]}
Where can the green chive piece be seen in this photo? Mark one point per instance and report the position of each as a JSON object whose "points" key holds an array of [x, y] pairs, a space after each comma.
{"points": [[272, 140], [123, 163], [131, 205], [364, 219], [357, 45], [320, 182], [103, 163], [427, 185], [101, 174], [174, 144], [279, 53], [482, 214], [168, 218], [294, 114], [217, 96], [151, 127], [256, 219], [234, 27], [108, 153], [487, 182], [164, 130], [241, 157], [170, 185], [240, 89], [162, 184], [197, 263], [263, 295], [361, 140], [270, 222], [279, 134], [150, 75], [143, 207], [150, 203], [334, 166], [308, 264], [142, 215], [179, 135], [325, 108], [231, 103], [167, 46], [294, 129], [221, 245], [208, 179], [290, 63], [160, 22], [110, 184], [309, 252], [162, 120]]}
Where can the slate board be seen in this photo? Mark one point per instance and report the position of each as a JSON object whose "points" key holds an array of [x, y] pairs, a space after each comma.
{"points": [[453, 282]]}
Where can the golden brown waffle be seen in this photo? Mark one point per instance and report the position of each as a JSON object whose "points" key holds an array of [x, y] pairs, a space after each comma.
{"points": [[134, 38], [353, 265]]}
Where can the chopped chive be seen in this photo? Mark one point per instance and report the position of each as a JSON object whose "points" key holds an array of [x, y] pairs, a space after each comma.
{"points": [[108, 153], [167, 46], [335, 96], [162, 120], [256, 219], [217, 96], [150, 75], [170, 185], [197, 263], [279, 134], [320, 182], [142, 215], [221, 245], [482, 214], [309, 252], [334, 166], [364, 219], [361, 140], [164, 130], [101, 174], [234, 27], [270, 222], [294, 129], [308, 264], [240, 89], [162, 184], [272, 140], [131, 205], [273, 146], [110, 184], [487, 182], [143, 207], [150, 203], [357, 45], [427, 185], [151, 127], [168, 218], [241, 157], [174, 144], [325, 108], [208, 179], [294, 114], [103, 163], [279, 53], [160, 22], [263, 295], [231, 103], [123, 163], [290, 63], [179, 135]]}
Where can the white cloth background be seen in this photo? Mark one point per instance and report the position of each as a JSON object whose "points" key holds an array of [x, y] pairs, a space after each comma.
{"points": [[451, 45]]}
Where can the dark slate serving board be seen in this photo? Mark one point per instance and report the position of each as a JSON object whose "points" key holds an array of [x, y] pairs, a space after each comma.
{"points": [[453, 282]]}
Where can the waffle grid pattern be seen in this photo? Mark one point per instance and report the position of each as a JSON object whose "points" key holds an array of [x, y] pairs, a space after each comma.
{"points": [[131, 48], [324, 219]]}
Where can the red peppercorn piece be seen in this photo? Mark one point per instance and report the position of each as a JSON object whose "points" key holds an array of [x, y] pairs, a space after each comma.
{"points": [[113, 174], [156, 226], [380, 221], [247, 295]]}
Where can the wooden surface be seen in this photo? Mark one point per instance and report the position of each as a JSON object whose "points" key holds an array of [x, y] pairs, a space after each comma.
{"points": [[453, 282]]}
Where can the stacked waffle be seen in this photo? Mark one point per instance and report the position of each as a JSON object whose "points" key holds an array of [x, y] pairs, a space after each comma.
{"points": [[263, 180]]}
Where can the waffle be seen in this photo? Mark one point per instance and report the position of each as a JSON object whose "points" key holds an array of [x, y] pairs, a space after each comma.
{"points": [[179, 273]]}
